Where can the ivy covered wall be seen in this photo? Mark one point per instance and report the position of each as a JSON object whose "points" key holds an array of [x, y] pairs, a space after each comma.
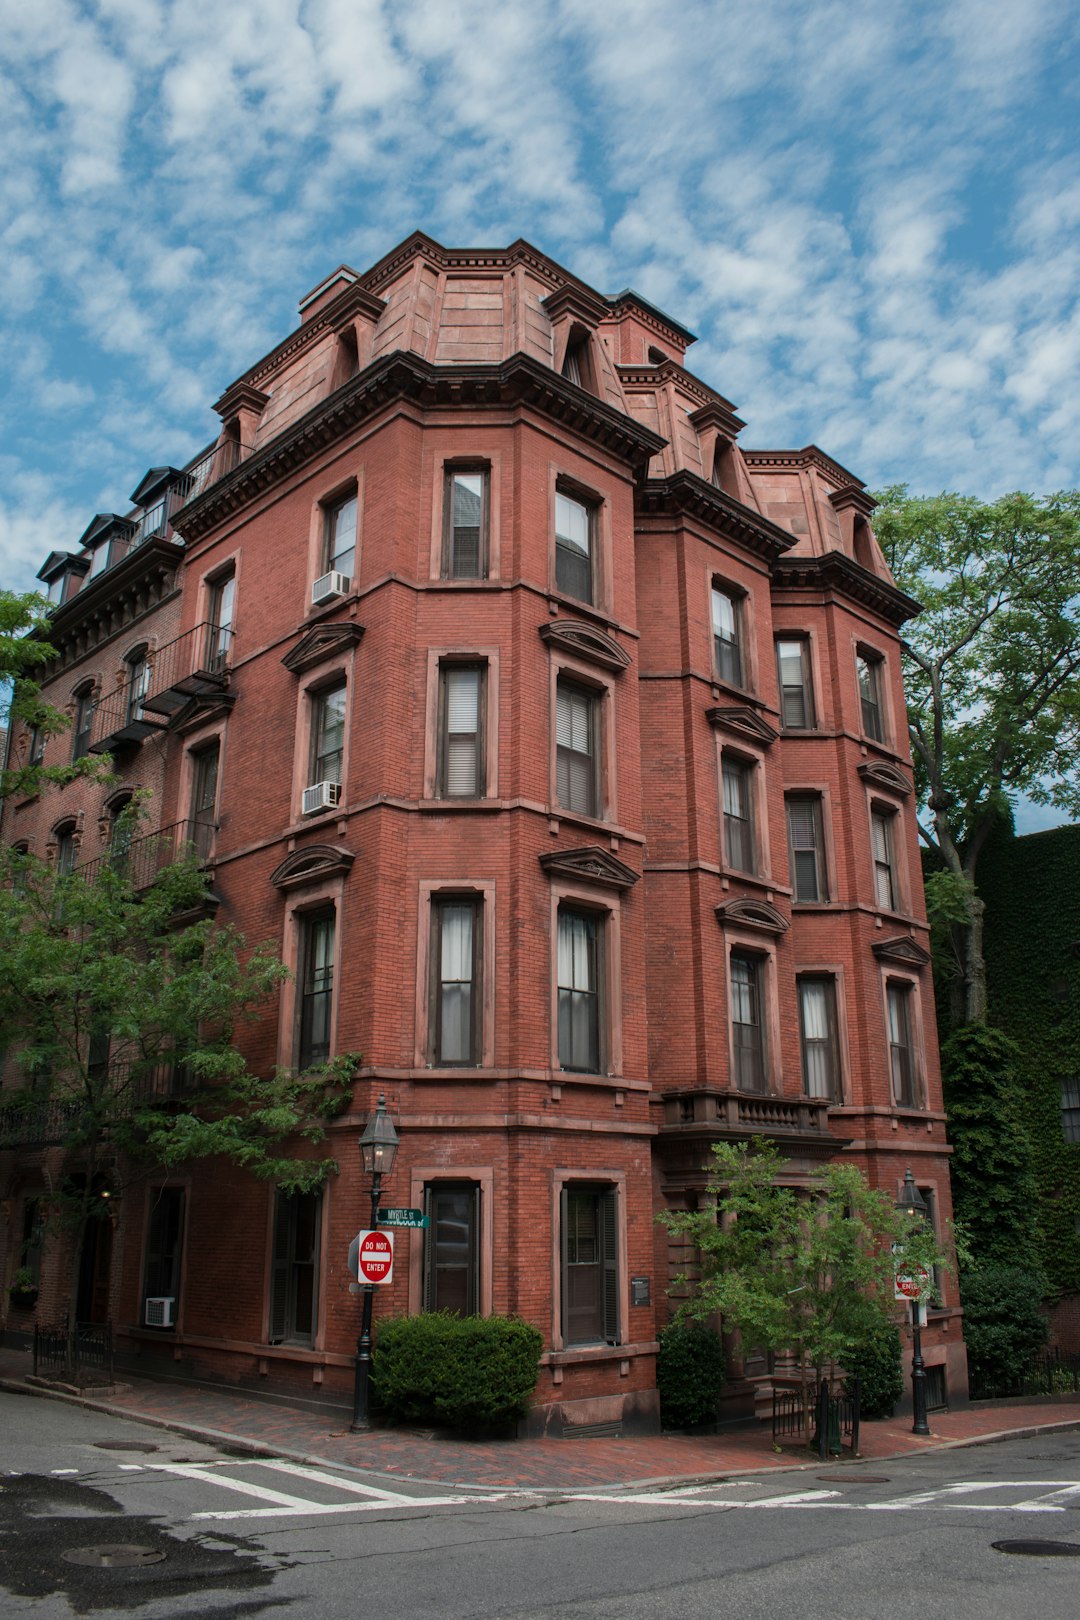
{"points": [[1031, 887]]}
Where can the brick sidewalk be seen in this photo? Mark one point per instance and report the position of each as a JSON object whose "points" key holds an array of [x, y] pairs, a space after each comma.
{"points": [[228, 1417]]}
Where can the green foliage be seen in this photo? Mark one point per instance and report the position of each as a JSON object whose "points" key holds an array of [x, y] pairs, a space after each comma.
{"points": [[1004, 1326], [1032, 889], [122, 1024], [24, 653], [876, 1361], [992, 668], [689, 1373], [992, 1180], [812, 1274], [465, 1371]]}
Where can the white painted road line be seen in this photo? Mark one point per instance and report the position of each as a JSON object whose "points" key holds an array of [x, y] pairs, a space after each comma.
{"points": [[223, 1482], [316, 1510], [298, 1471]]}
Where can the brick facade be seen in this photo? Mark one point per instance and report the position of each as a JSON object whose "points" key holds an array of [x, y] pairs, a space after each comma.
{"points": [[604, 714]]}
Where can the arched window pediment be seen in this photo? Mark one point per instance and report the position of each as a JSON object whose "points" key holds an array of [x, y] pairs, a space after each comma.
{"points": [[311, 864], [585, 642], [748, 913]]}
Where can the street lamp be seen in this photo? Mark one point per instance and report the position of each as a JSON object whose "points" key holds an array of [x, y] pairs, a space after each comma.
{"points": [[912, 1204], [378, 1149]]}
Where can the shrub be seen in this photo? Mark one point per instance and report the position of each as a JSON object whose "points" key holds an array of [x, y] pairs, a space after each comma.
{"points": [[690, 1374], [465, 1371], [1004, 1327], [877, 1362]]}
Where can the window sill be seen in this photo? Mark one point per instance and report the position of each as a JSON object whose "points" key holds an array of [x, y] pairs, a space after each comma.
{"points": [[579, 1354], [443, 807]]}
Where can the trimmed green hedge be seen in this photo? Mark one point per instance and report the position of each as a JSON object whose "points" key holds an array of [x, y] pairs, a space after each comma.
{"points": [[474, 1372], [1004, 1326], [690, 1374], [877, 1362]]}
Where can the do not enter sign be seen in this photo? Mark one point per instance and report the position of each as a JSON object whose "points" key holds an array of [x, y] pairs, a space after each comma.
{"points": [[375, 1263], [912, 1284]]}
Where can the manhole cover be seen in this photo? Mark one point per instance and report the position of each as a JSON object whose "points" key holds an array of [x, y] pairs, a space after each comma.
{"points": [[116, 1555], [123, 1445], [1039, 1549], [856, 1479]]}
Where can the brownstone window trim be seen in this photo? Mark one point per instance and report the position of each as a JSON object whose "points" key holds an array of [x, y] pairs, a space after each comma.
{"points": [[578, 898], [798, 710], [808, 839], [576, 676], [571, 577], [322, 726], [743, 831], [870, 687], [84, 706], [450, 771], [292, 1292], [453, 557], [731, 648], [819, 1036], [904, 1041], [157, 1277], [456, 965], [432, 894], [884, 855], [429, 1177]]}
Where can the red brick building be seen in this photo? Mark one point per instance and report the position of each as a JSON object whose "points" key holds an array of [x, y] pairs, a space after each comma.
{"points": [[558, 743]]}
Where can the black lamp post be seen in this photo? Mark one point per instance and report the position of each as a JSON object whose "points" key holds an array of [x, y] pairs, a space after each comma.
{"points": [[378, 1149], [912, 1204]]}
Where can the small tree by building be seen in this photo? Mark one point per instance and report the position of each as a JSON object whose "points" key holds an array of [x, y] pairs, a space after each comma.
{"points": [[118, 1010], [25, 653], [808, 1272]]}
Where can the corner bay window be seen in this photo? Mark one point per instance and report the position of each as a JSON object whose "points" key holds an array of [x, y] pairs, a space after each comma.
{"points": [[294, 1269], [818, 1037], [455, 980], [727, 636], [737, 782], [574, 546], [580, 979], [747, 1026], [901, 1051], [461, 740], [577, 753], [452, 1247], [316, 987], [465, 524], [590, 1277]]}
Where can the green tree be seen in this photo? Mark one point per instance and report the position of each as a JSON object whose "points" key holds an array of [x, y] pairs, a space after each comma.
{"points": [[993, 682], [808, 1273], [24, 653], [118, 1017]]}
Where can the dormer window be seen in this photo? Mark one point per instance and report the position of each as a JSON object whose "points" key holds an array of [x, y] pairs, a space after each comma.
{"points": [[99, 560]]}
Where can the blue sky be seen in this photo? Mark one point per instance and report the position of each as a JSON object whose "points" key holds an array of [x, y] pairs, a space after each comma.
{"points": [[867, 212]]}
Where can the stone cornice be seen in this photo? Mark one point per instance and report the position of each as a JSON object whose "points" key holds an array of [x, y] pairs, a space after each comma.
{"points": [[643, 379], [718, 414], [649, 315], [138, 582], [328, 319], [809, 456], [242, 396], [579, 302], [855, 496], [584, 641], [590, 864], [402, 375], [686, 492], [835, 571]]}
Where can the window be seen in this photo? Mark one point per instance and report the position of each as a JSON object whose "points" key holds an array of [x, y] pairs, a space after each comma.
{"points": [[328, 735], [33, 1238], [590, 1275], [1070, 1110], [65, 849], [747, 1028], [204, 781], [83, 722], [138, 686], [455, 1020], [806, 843], [294, 1268], [737, 782], [339, 540], [796, 687], [884, 866], [465, 520], [460, 763], [451, 1247], [121, 831], [99, 560], [576, 362], [316, 988], [36, 749], [580, 982], [869, 673], [219, 630], [818, 1037], [727, 636], [164, 1240], [901, 1052], [577, 754], [574, 545]]}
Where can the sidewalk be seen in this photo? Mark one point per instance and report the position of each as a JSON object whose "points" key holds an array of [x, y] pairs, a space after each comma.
{"points": [[232, 1418]]}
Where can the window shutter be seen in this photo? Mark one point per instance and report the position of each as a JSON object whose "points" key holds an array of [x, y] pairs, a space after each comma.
{"points": [[610, 1240]]}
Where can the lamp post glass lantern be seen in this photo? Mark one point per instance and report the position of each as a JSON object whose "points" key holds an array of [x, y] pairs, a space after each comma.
{"points": [[378, 1149], [912, 1204]]}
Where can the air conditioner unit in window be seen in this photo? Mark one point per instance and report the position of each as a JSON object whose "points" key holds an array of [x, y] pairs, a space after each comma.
{"points": [[159, 1312], [321, 796], [329, 587]]}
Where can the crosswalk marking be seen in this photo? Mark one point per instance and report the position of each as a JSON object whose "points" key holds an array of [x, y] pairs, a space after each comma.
{"points": [[246, 1488], [301, 1472]]}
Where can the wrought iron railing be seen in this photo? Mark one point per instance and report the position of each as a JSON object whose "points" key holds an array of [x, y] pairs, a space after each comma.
{"points": [[1050, 1372], [120, 1089], [220, 459], [834, 1412], [46, 1124], [84, 1356], [142, 859], [194, 662]]}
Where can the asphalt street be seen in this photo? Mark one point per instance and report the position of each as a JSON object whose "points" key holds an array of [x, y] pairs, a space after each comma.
{"points": [[160, 1525]]}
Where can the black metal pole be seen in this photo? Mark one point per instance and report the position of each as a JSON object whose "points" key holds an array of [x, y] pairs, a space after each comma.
{"points": [[918, 1374], [362, 1383]]}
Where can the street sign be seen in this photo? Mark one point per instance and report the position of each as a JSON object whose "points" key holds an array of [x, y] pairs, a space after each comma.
{"points": [[913, 1284], [375, 1257], [403, 1217]]}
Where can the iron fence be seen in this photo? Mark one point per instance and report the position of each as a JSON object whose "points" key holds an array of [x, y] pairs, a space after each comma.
{"points": [[141, 859], [82, 1357], [1051, 1372], [834, 1412]]}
